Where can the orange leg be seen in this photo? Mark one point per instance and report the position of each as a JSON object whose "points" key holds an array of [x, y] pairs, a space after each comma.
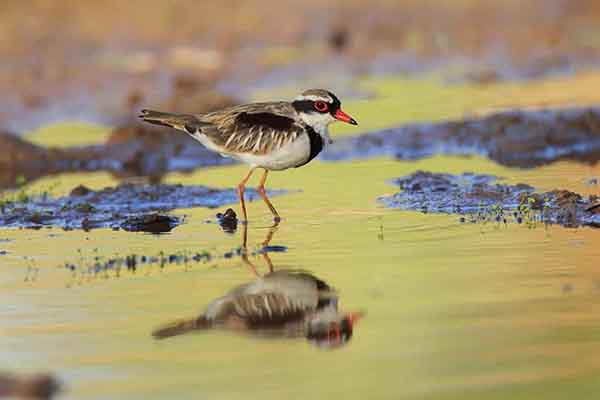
{"points": [[245, 251], [263, 194], [266, 242], [241, 187]]}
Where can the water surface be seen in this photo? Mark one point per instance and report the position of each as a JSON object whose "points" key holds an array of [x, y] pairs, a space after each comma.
{"points": [[454, 311]]}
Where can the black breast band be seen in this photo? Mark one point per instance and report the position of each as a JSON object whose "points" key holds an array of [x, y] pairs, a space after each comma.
{"points": [[316, 144]]}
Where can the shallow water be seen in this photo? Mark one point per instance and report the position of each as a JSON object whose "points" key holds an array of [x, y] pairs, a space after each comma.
{"points": [[453, 310]]}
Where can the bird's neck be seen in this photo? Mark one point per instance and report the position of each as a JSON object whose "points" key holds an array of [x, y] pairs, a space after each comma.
{"points": [[318, 122], [323, 130]]}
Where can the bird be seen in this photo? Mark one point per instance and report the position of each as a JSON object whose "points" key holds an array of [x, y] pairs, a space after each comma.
{"points": [[272, 136], [284, 303]]}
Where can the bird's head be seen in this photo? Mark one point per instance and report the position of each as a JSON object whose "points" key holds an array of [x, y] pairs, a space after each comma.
{"points": [[332, 331], [318, 108]]}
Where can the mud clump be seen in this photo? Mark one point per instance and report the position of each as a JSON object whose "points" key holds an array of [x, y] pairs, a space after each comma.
{"points": [[127, 206], [228, 220], [479, 198], [152, 223], [516, 139], [80, 190]]}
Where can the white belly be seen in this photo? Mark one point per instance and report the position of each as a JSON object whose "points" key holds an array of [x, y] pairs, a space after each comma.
{"points": [[291, 155]]}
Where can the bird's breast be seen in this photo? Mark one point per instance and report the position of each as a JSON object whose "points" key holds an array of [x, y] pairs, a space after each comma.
{"points": [[293, 154], [315, 144]]}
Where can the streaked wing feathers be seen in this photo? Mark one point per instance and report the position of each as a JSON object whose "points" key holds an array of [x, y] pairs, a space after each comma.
{"points": [[257, 128]]}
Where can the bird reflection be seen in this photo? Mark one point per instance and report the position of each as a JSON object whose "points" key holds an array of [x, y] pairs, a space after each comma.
{"points": [[279, 304]]}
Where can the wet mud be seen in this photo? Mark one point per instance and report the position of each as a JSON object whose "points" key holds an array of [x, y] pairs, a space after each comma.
{"points": [[130, 151], [517, 139], [480, 198], [127, 206]]}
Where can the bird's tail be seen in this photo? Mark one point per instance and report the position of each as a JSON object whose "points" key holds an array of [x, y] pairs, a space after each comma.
{"points": [[184, 122], [181, 327]]}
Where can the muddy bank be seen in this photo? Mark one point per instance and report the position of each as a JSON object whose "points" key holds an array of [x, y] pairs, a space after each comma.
{"points": [[480, 198], [130, 151], [515, 138], [127, 206]]}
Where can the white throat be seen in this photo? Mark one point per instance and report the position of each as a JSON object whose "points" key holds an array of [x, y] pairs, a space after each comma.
{"points": [[320, 123]]}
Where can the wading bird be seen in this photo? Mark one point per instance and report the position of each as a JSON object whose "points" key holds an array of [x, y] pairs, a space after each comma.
{"points": [[273, 135]]}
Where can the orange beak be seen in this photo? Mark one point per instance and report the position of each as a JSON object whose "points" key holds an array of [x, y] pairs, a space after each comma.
{"points": [[342, 116], [355, 316]]}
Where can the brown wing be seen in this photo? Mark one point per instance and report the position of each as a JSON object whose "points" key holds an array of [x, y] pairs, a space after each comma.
{"points": [[253, 128]]}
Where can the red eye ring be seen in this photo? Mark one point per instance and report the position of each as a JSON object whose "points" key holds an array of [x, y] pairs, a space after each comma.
{"points": [[321, 106]]}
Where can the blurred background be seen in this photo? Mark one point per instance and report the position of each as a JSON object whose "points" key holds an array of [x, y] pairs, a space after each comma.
{"points": [[99, 61], [494, 303]]}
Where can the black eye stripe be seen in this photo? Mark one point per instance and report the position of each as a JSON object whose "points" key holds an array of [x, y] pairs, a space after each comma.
{"points": [[305, 106], [308, 106]]}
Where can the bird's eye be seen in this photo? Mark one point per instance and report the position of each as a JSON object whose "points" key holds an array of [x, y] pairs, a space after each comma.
{"points": [[321, 106]]}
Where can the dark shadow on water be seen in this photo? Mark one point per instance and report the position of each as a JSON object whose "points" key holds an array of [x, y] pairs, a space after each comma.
{"points": [[285, 303]]}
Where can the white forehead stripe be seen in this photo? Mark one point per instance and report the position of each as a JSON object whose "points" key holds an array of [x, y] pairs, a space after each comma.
{"points": [[313, 97]]}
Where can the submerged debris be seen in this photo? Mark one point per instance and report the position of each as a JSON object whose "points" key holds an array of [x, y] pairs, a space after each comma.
{"points": [[515, 138], [95, 265], [126, 206], [153, 223], [91, 266], [481, 199]]}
